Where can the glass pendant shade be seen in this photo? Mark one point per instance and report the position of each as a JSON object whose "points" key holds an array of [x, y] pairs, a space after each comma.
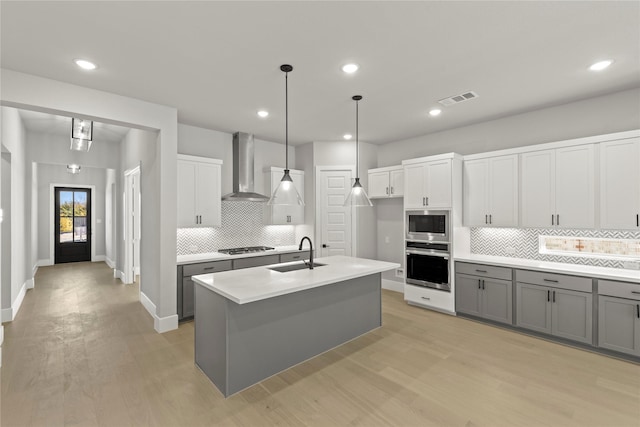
{"points": [[80, 144], [81, 134], [286, 193], [358, 196]]}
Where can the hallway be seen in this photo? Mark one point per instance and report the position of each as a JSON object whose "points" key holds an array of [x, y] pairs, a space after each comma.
{"points": [[83, 351]]}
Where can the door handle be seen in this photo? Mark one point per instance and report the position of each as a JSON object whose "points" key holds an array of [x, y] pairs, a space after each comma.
{"points": [[325, 246]]}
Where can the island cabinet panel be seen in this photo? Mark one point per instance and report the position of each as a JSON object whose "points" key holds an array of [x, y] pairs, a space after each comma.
{"points": [[238, 345], [255, 261]]}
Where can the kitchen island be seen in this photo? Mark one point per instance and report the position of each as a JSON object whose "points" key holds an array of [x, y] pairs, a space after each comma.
{"points": [[251, 324]]}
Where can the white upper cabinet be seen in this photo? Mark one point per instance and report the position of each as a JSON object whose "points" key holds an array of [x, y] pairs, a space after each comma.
{"points": [[427, 185], [386, 182], [558, 188], [491, 192], [199, 192], [620, 184], [283, 215]]}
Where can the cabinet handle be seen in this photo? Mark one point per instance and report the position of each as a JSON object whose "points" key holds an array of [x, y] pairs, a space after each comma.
{"points": [[554, 296], [387, 190], [423, 202], [486, 219], [550, 280], [481, 271], [489, 218], [637, 220], [635, 292], [391, 190], [552, 219], [427, 298], [558, 219], [208, 268], [548, 295], [295, 257], [638, 310], [479, 284], [196, 219], [427, 201], [483, 285]]}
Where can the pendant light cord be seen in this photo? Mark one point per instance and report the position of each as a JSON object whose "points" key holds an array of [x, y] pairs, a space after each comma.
{"points": [[357, 150], [286, 120]]}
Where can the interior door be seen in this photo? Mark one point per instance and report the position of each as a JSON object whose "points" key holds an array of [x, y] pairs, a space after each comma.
{"points": [[72, 230], [335, 218]]}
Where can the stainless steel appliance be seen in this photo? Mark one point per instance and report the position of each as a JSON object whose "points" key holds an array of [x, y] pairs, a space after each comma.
{"points": [[245, 250], [428, 264], [427, 225]]}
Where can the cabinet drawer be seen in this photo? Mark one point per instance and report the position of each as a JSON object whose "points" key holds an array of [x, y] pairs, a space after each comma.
{"points": [[619, 289], [484, 270], [427, 297], [295, 256], [255, 261], [205, 268], [573, 283]]}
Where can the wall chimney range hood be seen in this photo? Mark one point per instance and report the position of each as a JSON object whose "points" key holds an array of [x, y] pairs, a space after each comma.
{"points": [[243, 172]]}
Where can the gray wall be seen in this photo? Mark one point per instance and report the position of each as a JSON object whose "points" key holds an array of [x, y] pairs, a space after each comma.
{"points": [[57, 174], [610, 113]]}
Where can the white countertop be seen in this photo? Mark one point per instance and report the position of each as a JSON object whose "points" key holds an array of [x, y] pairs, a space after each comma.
{"points": [[217, 256], [259, 283], [555, 267]]}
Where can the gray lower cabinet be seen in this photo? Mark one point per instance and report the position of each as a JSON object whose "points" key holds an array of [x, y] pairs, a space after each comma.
{"points": [[619, 316], [555, 310], [483, 296], [255, 261]]}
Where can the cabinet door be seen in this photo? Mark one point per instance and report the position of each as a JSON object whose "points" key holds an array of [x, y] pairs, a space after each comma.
{"points": [[208, 204], [572, 314], [476, 190], [438, 184], [533, 307], [620, 184], [414, 180], [468, 290], [575, 187], [186, 189], [379, 184], [396, 183], [537, 189], [619, 325], [188, 302], [496, 300], [503, 191]]}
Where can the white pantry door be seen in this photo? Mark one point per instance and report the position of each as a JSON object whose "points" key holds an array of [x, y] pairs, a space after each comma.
{"points": [[334, 217]]}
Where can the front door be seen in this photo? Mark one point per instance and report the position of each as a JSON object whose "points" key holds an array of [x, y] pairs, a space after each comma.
{"points": [[72, 229]]}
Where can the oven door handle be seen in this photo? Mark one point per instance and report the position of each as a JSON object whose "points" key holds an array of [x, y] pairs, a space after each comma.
{"points": [[441, 255]]}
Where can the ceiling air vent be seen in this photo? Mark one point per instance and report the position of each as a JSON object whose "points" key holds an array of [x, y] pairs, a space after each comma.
{"points": [[456, 99]]}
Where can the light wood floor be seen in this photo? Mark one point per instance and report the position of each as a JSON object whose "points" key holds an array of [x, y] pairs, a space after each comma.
{"points": [[82, 351]]}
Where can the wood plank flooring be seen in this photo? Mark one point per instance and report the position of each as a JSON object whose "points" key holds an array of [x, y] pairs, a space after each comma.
{"points": [[82, 351]]}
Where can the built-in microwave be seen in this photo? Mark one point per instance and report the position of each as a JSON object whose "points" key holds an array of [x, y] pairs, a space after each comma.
{"points": [[427, 225]]}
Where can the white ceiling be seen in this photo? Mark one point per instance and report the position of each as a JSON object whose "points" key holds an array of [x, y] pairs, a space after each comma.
{"points": [[218, 62]]}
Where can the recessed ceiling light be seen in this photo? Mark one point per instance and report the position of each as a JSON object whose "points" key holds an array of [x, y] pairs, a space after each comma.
{"points": [[435, 112], [263, 113], [84, 64], [347, 136], [350, 68], [599, 66]]}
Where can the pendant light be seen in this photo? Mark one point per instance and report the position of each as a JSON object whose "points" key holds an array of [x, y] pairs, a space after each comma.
{"points": [[286, 193], [357, 196], [81, 134]]}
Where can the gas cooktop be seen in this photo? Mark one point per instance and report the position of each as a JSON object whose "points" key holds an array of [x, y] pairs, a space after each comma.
{"points": [[245, 250]]}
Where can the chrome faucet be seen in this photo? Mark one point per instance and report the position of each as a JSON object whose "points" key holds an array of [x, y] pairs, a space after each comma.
{"points": [[310, 250]]}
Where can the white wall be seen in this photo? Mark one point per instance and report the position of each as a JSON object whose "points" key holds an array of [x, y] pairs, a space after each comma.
{"points": [[54, 149], [57, 174], [304, 161], [110, 212], [14, 141], [35, 93]]}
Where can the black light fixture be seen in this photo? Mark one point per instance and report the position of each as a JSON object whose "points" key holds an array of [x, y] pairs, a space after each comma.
{"points": [[81, 134], [358, 195], [286, 193]]}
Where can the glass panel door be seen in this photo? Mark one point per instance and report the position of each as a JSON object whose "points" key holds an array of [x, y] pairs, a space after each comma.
{"points": [[72, 225]]}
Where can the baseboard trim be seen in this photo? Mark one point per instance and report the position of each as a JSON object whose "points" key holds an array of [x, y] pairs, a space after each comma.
{"points": [[44, 262], [160, 324], [118, 274], [5, 315], [34, 270], [31, 283], [392, 285], [9, 314], [109, 262], [99, 258], [136, 271]]}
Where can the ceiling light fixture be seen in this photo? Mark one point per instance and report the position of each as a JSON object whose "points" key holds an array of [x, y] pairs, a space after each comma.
{"points": [[357, 196], [435, 112], [263, 113], [350, 68], [599, 66], [85, 65], [73, 169], [347, 136], [286, 193], [81, 134]]}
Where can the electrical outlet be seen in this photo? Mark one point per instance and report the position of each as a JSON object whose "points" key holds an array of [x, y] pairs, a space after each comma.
{"points": [[399, 272], [631, 265], [510, 250]]}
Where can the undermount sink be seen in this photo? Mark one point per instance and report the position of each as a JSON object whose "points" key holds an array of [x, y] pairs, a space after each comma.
{"points": [[293, 267]]}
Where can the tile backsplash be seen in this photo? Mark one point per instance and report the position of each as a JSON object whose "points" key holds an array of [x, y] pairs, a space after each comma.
{"points": [[524, 243], [242, 225]]}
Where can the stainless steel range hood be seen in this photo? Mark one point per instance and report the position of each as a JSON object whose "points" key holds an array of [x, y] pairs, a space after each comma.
{"points": [[243, 157]]}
